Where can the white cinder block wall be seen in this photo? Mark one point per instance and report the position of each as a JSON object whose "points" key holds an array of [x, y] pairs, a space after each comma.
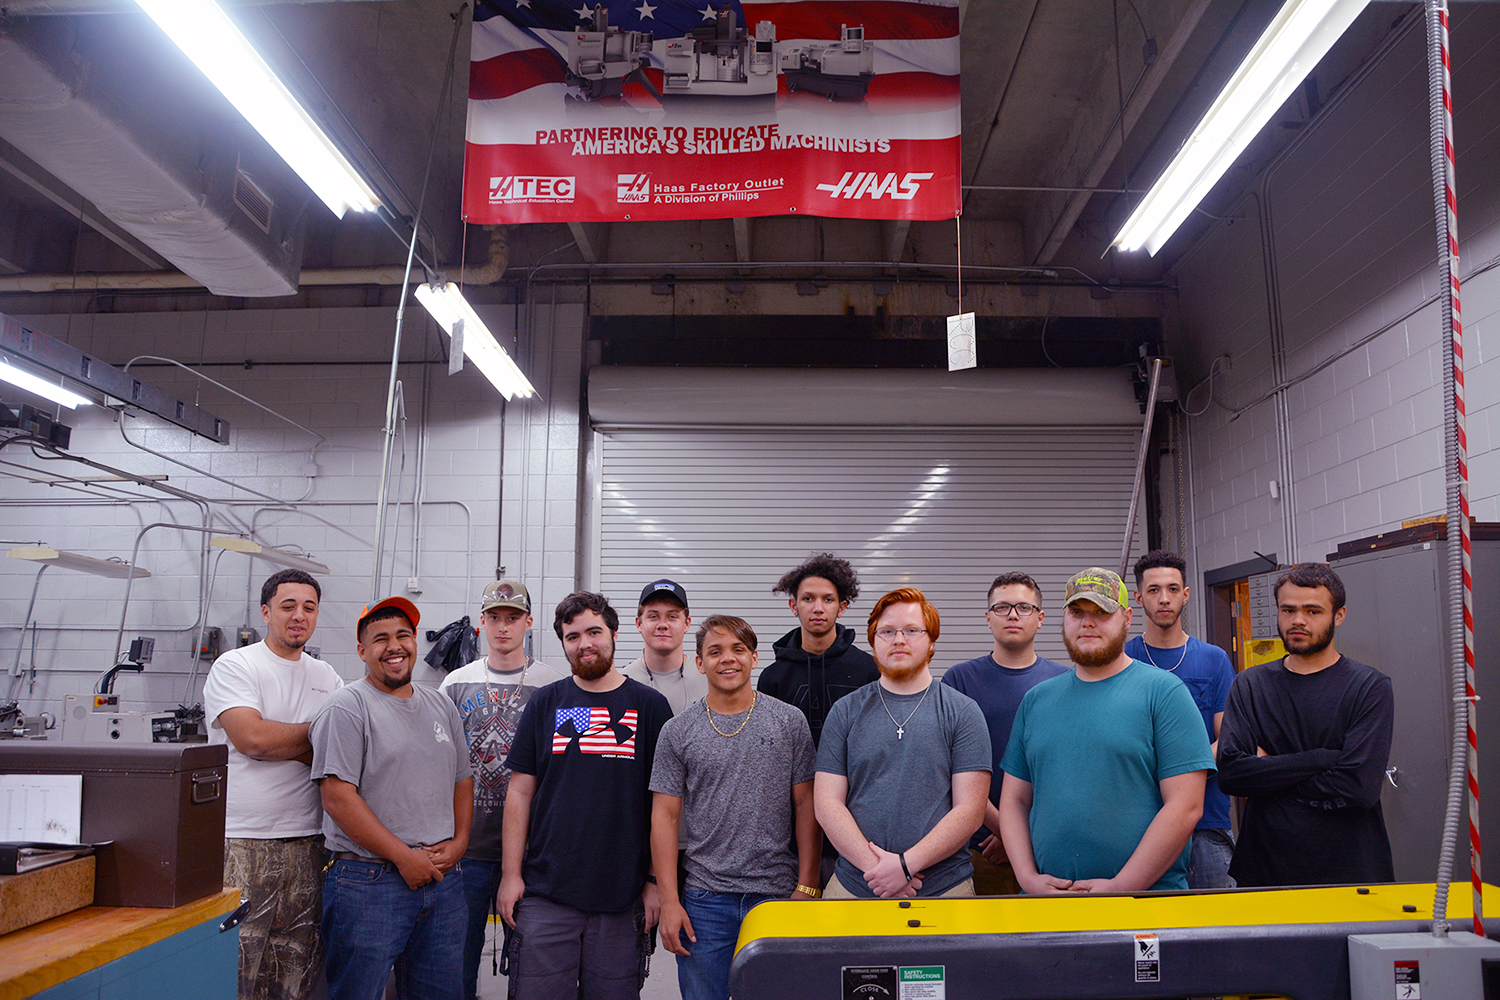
{"points": [[326, 369], [1348, 217]]}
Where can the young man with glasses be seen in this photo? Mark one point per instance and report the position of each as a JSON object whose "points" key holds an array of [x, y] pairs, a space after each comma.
{"points": [[998, 681], [903, 770], [1162, 592], [1105, 768]]}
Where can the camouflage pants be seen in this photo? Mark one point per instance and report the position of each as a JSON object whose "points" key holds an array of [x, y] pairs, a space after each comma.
{"points": [[280, 950]]}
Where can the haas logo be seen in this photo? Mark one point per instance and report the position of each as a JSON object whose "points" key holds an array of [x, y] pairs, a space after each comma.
{"points": [[632, 188], [867, 184]]}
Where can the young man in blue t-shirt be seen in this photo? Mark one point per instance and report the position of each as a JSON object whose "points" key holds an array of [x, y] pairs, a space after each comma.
{"points": [[1105, 768], [998, 681], [1162, 592]]}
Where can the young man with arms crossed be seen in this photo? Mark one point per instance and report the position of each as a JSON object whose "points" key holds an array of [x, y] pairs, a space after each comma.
{"points": [[1105, 768], [259, 699], [577, 852], [741, 767], [1162, 592], [1306, 740], [490, 694], [903, 771], [398, 799], [662, 618], [998, 681]]}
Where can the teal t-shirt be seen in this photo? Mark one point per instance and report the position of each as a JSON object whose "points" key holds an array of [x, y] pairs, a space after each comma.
{"points": [[1094, 752]]}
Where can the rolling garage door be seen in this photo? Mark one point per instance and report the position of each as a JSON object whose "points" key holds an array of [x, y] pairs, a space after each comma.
{"points": [[725, 508]]}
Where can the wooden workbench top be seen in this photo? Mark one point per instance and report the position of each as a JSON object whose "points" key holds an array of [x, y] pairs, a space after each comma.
{"points": [[39, 957]]}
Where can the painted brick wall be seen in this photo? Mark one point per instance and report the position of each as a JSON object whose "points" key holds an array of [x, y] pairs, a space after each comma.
{"points": [[1351, 223], [327, 370]]}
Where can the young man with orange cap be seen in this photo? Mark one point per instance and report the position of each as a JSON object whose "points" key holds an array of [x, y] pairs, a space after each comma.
{"points": [[398, 798]]}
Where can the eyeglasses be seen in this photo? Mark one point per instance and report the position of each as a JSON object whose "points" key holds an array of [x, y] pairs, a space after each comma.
{"points": [[889, 634], [1023, 610]]}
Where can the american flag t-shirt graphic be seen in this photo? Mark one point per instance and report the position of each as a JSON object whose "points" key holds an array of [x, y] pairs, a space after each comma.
{"points": [[592, 728]]}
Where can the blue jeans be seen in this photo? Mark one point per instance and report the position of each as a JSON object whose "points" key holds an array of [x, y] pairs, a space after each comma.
{"points": [[481, 883], [1208, 860], [716, 917], [372, 921]]}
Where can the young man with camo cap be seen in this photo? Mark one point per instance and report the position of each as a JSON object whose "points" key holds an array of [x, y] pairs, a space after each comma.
{"points": [[490, 694]]}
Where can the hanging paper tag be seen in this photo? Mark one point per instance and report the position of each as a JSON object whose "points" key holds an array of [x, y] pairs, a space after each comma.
{"points": [[456, 349], [962, 350]]}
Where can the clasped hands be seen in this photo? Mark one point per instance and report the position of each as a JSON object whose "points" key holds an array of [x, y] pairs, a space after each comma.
{"points": [[887, 880]]}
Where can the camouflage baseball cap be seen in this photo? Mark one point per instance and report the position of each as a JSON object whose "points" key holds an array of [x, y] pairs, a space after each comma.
{"points": [[1100, 586], [505, 594]]}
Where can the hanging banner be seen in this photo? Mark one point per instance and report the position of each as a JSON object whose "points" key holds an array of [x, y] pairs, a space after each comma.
{"points": [[691, 110]]}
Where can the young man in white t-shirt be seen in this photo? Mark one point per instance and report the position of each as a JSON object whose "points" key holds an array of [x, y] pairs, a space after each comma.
{"points": [[259, 700]]}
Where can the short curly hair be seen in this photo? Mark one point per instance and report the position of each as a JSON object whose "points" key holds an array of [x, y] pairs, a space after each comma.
{"points": [[577, 603], [826, 565]]}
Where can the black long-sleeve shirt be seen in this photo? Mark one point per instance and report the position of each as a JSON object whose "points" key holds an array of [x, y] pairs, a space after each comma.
{"points": [[1312, 815]]}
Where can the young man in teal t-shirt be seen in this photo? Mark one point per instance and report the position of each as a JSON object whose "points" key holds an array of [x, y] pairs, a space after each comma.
{"points": [[1106, 765]]}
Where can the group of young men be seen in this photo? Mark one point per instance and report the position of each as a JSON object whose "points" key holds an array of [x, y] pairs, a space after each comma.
{"points": [[598, 807]]}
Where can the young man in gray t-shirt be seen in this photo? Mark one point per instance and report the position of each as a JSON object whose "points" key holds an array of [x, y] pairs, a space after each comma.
{"points": [[738, 769], [903, 768], [394, 777]]}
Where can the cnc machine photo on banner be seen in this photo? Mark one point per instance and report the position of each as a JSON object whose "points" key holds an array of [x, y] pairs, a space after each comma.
{"points": [[631, 110]]}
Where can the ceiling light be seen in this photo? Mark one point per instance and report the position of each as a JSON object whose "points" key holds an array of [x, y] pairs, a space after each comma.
{"points": [[206, 36], [34, 383], [49, 556], [449, 307], [1298, 37], [279, 557]]}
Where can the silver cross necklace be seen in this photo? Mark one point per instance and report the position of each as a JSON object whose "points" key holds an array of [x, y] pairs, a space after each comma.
{"points": [[900, 726]]}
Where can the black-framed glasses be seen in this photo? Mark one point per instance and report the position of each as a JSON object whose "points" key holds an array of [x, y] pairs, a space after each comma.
{"points": [[889, 634], [1021, 610]]}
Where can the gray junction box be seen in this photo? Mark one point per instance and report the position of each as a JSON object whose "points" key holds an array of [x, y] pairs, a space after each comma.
{"points": [[1422, 967]]}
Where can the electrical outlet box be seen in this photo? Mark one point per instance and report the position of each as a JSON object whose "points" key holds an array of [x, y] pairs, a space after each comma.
{"points": [[141, 649], [1416, 966], [246, 636], [213, 643]]}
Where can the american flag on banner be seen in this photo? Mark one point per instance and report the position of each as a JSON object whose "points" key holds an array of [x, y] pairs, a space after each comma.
{"points": [[592, 728], [632, 110]]}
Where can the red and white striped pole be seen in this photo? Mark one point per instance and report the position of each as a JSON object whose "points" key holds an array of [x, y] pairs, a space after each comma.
{"points": [[1462, 444]]}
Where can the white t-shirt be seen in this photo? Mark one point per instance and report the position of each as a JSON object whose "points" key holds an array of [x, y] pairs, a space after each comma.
{"points": [[681, 687], [268, 798]]}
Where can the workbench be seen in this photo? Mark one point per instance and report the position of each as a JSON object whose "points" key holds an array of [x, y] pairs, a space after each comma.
{"points": [[126, 953]]}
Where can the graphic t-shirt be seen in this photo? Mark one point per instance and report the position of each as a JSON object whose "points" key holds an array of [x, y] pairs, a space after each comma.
{"points": [[491, 702], [588, 845]]}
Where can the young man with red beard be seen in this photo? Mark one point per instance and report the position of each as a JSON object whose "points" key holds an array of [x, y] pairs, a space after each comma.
{"points": [[1105, 769], [576, 855], [1306, 740], [903, 768]]}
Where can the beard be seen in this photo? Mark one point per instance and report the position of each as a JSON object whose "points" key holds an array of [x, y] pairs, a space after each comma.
{"points": [[1102, 657], [1314, 644], [595, 670], [901, 675]]}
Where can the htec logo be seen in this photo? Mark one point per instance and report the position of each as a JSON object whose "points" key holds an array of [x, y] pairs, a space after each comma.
{"points": [[632, 188], [876, 186], [503, 189]]}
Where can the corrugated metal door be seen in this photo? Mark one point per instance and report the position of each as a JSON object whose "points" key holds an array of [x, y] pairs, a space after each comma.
{"points": [[726, 512]]}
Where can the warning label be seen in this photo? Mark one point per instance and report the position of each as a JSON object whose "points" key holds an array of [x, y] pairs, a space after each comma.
{"points": [[1147, 958], [923, 982], [1408, 981]]}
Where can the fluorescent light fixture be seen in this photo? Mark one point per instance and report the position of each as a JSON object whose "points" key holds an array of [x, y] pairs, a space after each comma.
{"points": [[279, 557], [34, 383], [449, 307], [207, 37], [1298, 37], [49, 556]]}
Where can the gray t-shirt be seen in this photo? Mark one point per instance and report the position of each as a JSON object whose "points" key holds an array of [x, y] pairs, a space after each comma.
{"points": [[900, 787], [736, 793], [681, 687], [405, 754]]}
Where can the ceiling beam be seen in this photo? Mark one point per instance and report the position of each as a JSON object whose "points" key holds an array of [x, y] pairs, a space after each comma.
{"points": [[895, 232], [26, 170], [742, 241], [588, 239], [1108, 146]]}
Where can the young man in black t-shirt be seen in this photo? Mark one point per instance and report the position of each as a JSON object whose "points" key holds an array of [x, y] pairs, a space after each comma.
{"points": [[576, 852]]}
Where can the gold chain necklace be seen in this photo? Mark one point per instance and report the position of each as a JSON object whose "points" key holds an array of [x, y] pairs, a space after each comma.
{"points": [[754, 696]]}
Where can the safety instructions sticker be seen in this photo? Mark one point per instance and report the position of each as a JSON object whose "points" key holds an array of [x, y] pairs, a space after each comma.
{"points": [[1147, 958], [891, 982], [923, 982], [1408, 981]]}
